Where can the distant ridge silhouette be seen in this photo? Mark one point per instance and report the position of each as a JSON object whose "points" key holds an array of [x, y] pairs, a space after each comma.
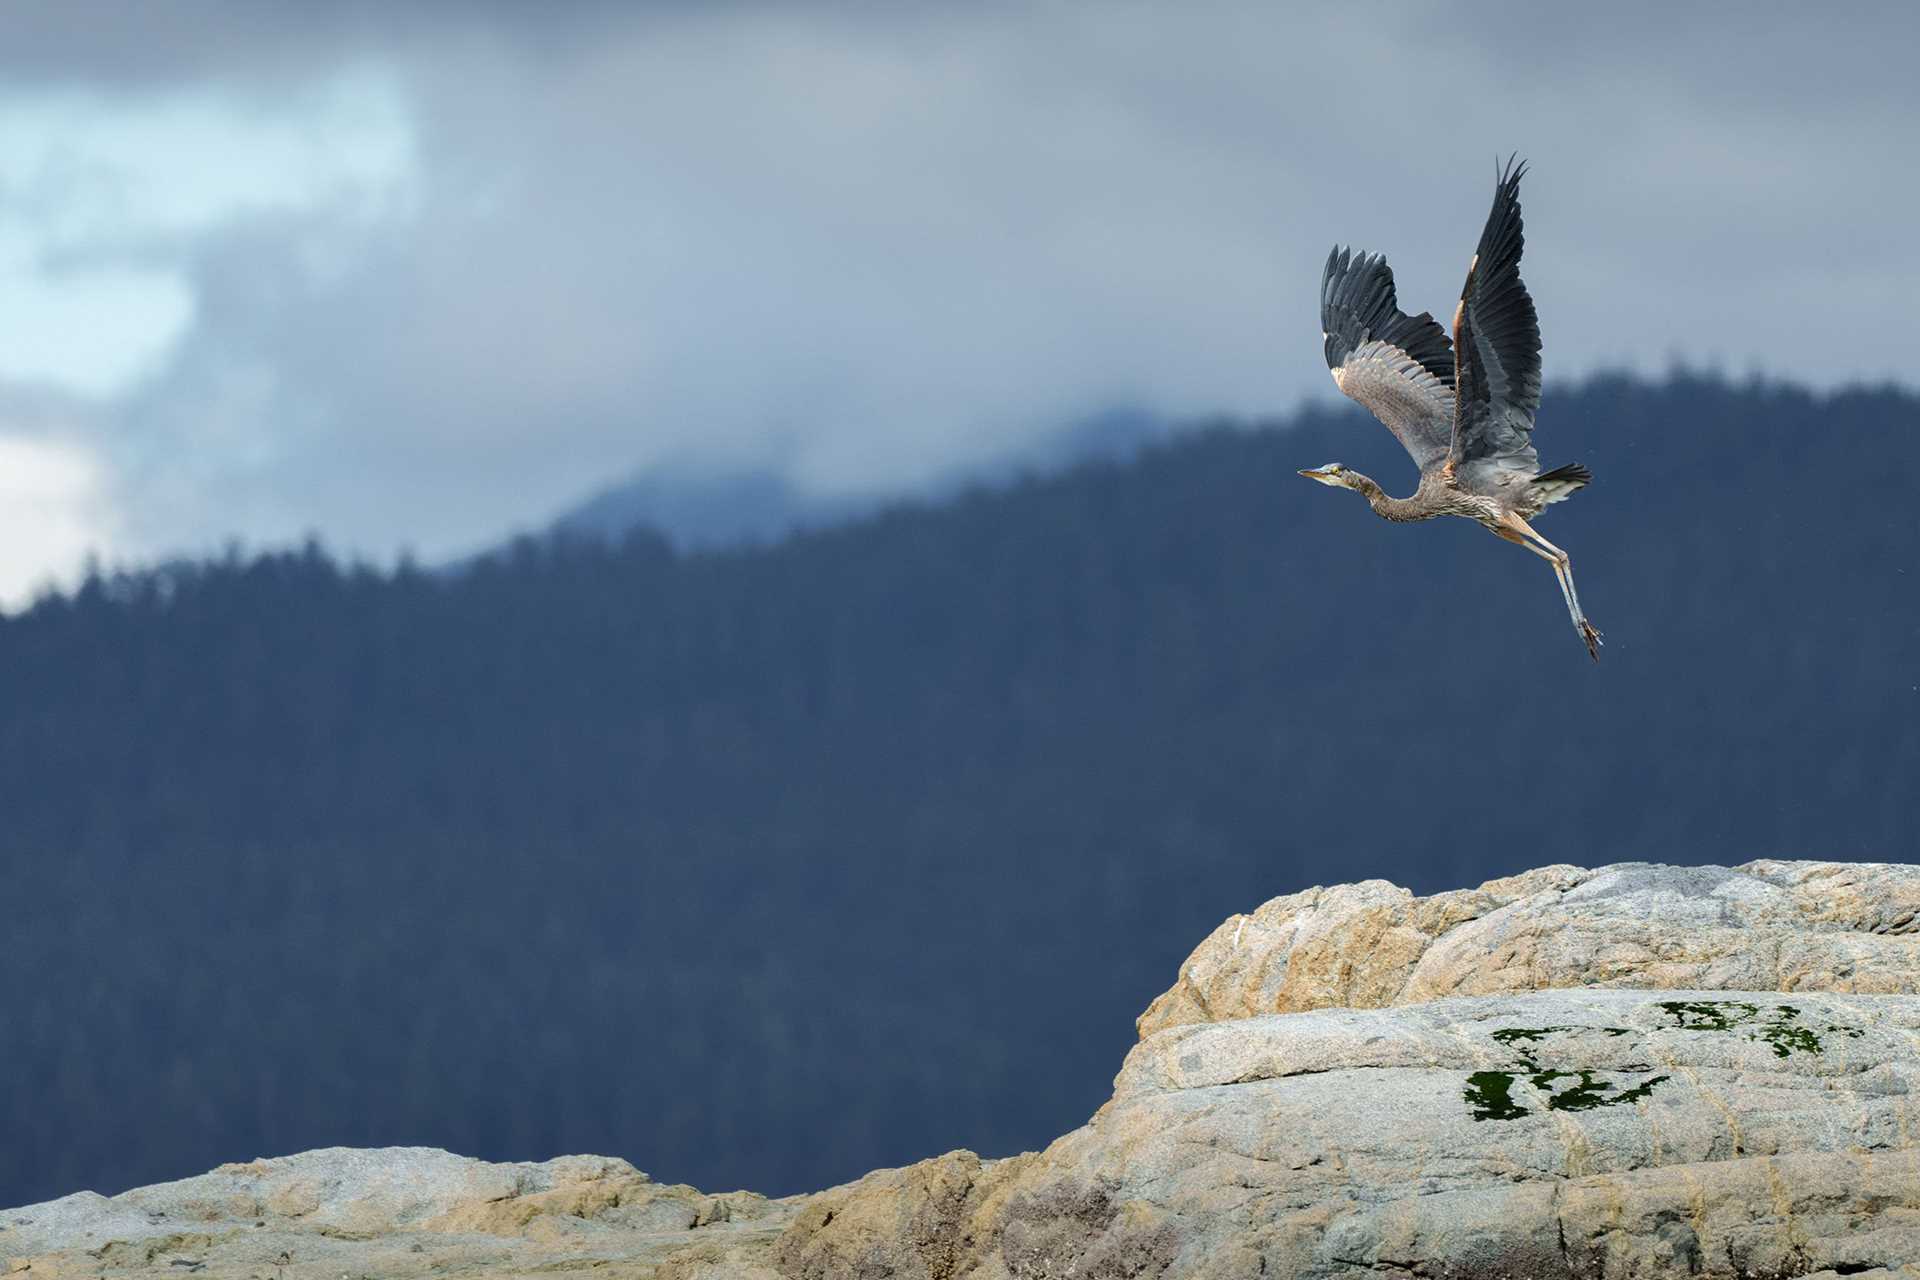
{"points": [[768, 866]]}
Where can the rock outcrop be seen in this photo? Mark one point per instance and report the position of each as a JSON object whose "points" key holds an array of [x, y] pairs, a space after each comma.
{"points": [[1766, 926], [1639, 1071], [397, 1211]]}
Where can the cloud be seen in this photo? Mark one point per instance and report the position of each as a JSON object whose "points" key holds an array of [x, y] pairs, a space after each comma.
{"points": [[869, 244], [110, 206], [94, 330], [52, 514]]}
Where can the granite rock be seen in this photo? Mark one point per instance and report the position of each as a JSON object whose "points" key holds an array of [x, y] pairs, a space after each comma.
{"points": [[1635, 1071], [395, 1211], [1765, 926], [1590, 1133]]}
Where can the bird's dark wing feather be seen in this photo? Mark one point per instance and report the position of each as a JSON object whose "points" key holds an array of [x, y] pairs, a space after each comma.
{"points": [[1398, 366], [1496, 346]]}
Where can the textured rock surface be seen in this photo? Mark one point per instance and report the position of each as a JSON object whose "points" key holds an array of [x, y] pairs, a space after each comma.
{"points": [[1557, 1133], [397, 1211], [1765, 926], [1551, 1134], [1638, 1071]]}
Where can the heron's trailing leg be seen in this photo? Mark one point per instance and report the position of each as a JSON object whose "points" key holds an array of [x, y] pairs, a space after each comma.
{"points": [[1525, 534]]}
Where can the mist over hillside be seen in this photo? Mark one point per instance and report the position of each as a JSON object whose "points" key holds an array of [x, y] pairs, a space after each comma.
{"points": [[766, 867], [705, 505]]}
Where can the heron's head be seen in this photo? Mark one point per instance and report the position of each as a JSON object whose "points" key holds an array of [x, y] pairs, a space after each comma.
{"points": [[1333, 473]]}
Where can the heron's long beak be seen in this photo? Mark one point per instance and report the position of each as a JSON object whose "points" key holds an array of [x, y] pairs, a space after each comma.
{"points": [[1315, 474]]}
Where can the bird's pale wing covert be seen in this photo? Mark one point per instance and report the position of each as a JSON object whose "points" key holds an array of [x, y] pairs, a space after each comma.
{"points": [[1496, 344], [1398, 366]]}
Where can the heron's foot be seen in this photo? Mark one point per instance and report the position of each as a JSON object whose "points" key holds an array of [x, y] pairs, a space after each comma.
{"points": [[1592, 637]]}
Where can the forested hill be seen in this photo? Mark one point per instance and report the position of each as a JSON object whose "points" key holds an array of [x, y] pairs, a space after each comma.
{"points": [[766, 868]]}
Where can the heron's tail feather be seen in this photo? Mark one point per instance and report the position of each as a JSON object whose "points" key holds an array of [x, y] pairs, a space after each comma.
{"points": [[1561, 482]]}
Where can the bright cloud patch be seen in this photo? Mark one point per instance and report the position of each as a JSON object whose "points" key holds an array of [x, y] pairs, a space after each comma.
{"points": [[102, 198], [90, 331], [52, 514]]}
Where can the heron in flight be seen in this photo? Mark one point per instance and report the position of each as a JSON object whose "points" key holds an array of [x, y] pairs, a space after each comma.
{"points": [[1463, 410]]}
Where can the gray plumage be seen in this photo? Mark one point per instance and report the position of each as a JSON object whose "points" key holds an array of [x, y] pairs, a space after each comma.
{"points": [[1463, 410]]}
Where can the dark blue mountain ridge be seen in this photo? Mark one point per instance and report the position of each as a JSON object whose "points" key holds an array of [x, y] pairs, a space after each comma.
{"points": [[771, 865]]}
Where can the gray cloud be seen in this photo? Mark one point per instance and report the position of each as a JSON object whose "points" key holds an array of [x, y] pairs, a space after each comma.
{"points": [[871, 244]]}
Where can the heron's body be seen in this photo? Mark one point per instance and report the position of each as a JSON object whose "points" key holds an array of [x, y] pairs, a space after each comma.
{"points": [[1441, 495], [1462, 409]]}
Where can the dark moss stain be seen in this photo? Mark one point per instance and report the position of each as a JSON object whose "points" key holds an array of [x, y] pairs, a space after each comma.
{"points": [[1780, 1029], [1786, 1039], [1513, 1037], [1710, 1015], [1635, 1094], [1490, 1093], [1590, 1092], [1781, 1032]]}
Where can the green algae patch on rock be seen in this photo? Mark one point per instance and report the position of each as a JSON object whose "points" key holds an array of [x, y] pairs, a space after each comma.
{"points": [[1780, 1029], [1710, 1015], [1490, 1093]]}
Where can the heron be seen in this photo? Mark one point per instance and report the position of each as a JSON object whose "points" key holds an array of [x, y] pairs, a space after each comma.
{"points": [[1463, 410]]}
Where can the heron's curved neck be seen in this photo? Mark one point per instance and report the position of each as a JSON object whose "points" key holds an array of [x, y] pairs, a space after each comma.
{"points": [[1387, 508]]}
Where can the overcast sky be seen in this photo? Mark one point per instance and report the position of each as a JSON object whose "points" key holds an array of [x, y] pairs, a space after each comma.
{"points": [[412, 275]]}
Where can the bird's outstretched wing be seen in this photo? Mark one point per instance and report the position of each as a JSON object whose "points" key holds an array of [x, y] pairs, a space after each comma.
{"points": [[1397, 365], [1496, 347]]}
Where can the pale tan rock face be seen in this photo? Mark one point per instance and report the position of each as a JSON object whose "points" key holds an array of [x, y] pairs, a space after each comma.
{"points": [[1766, 926], [923, 1222], [1636, 1071], [1543, 1135], [398, 1211]]}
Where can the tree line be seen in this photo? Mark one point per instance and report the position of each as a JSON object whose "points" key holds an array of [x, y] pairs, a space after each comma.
{"points": [[766, 867]]}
